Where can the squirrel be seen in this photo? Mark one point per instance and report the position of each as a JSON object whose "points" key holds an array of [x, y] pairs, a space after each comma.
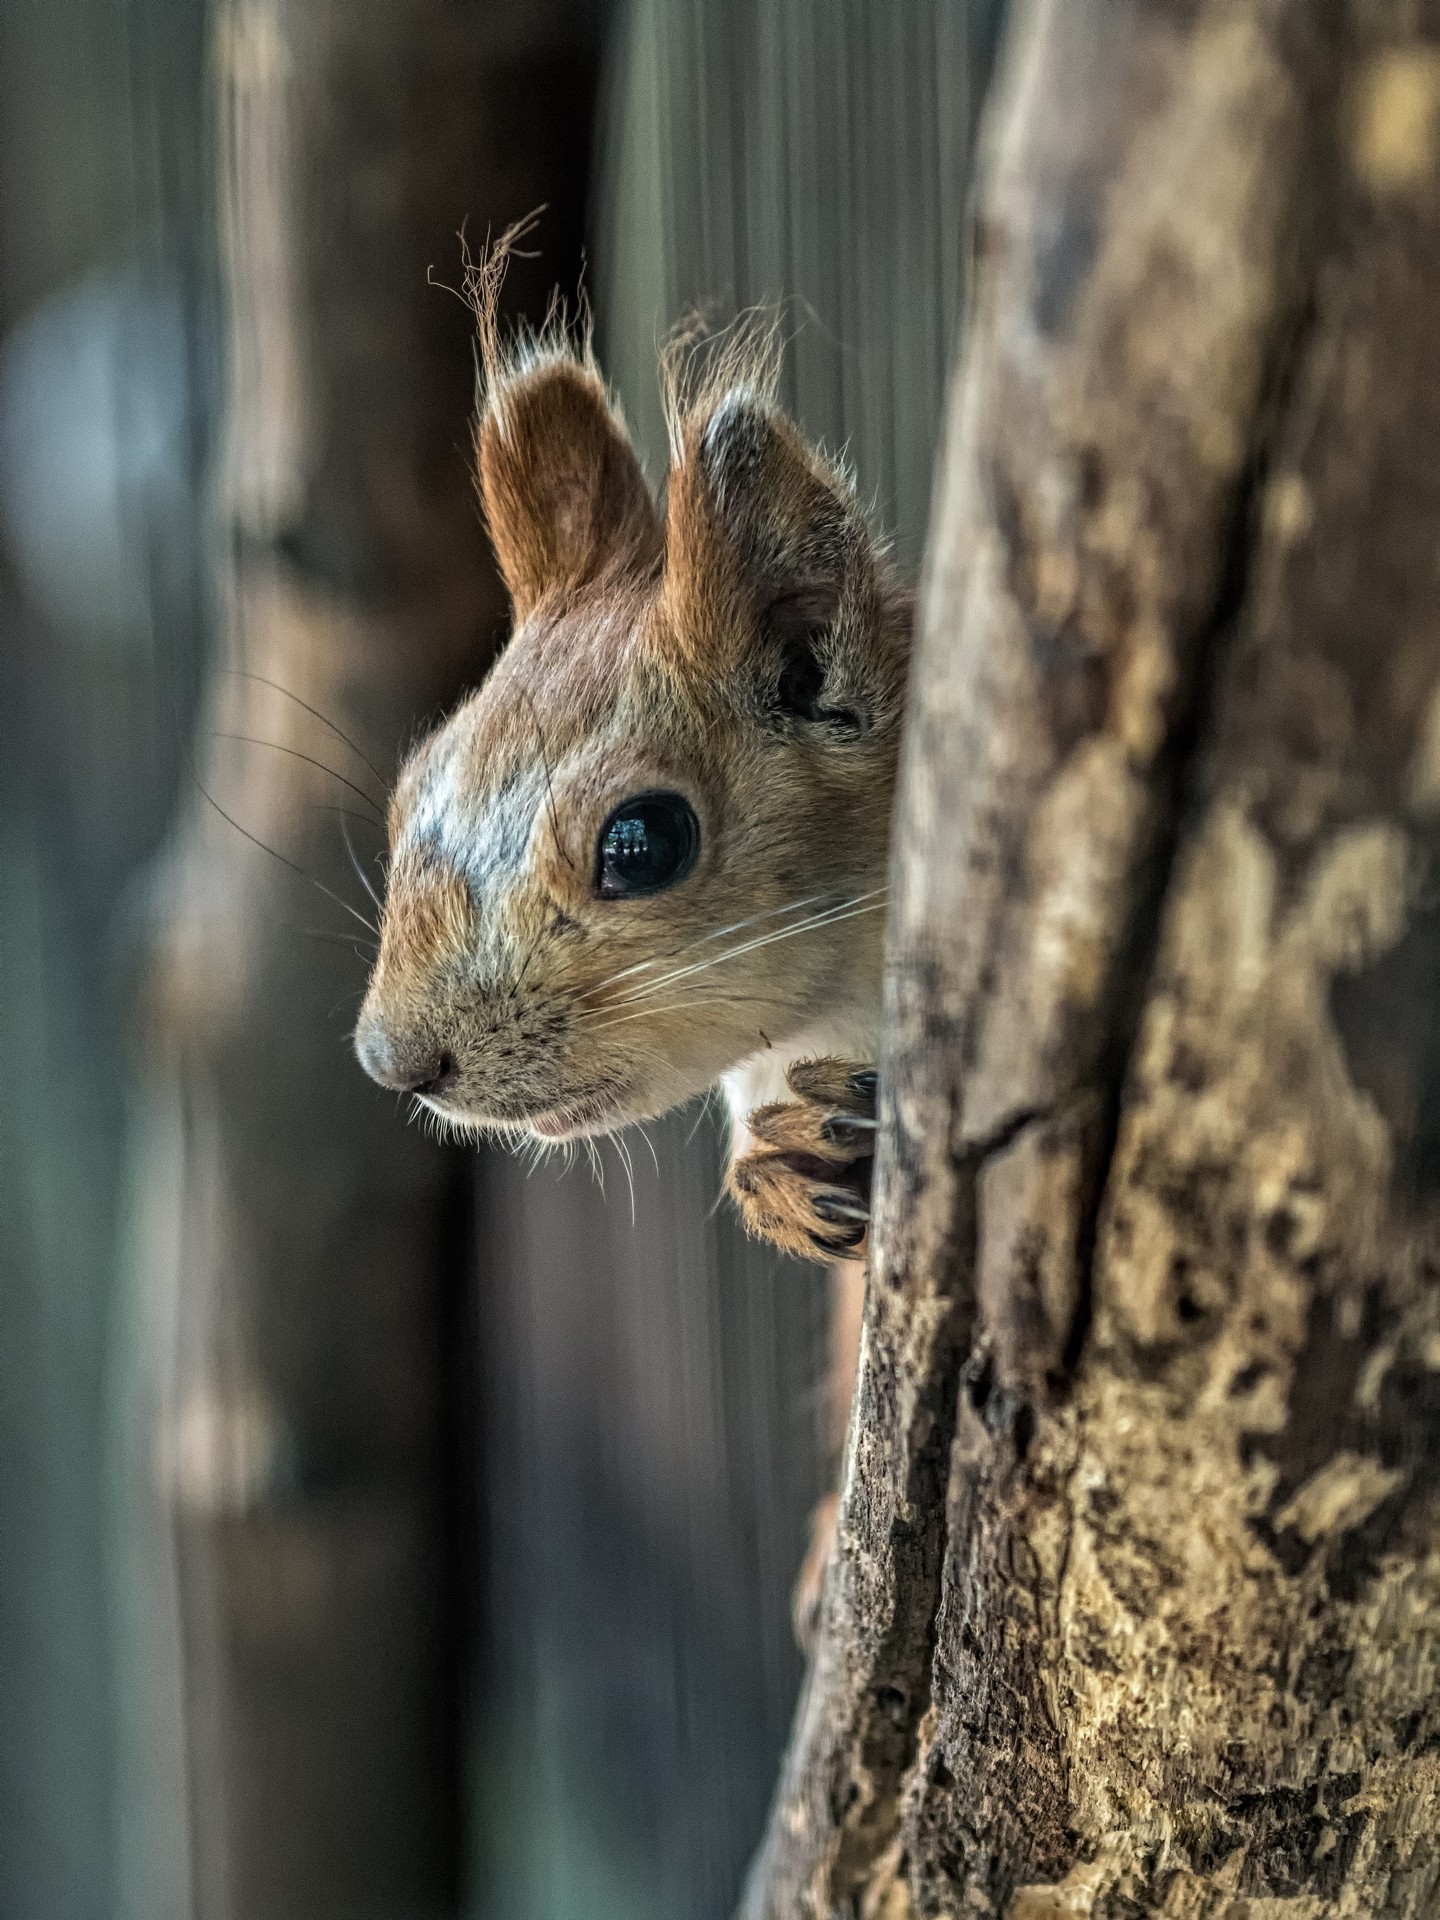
{"points": [[648, 855]]}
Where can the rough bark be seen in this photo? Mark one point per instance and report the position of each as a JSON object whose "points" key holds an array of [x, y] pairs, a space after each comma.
{"points": [[1137, 1600], [296, 1252]]}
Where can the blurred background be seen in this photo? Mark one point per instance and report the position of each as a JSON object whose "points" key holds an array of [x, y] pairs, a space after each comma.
{"points": [[384, 1531]]}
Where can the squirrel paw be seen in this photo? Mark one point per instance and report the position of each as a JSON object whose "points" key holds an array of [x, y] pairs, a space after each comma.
{"points": [[805, 1185]]}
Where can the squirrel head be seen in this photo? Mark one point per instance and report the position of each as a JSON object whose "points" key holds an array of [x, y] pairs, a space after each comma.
{"points": [[654, 841]]}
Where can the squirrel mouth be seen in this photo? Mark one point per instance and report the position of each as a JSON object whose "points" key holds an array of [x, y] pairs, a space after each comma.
{"points": [[569, 1123], [555, 1123]]}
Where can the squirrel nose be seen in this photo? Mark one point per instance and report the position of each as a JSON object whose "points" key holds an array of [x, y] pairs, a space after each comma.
{"points": [[404, 1069]]}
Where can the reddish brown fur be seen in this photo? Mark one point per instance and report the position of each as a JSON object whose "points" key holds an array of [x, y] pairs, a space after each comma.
{"points": [[564, 501], [748, 651]]}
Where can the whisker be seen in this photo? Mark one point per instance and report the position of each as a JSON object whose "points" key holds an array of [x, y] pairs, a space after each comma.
{"points": [[841, 909], [687, 1005], [347, 813], [294, 867], [310, 761], [718, 991], [360, 873], [833, 916], [346, 940], [716, 933], [700, 1118], [624, 1155], [244, 673], [640, 1129], [597, 1165], [525, 965]]}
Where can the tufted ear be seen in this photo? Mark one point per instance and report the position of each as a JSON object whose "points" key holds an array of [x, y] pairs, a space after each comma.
{"points": [[789, 518], [759, 524], [772, 570], [564, 497]]}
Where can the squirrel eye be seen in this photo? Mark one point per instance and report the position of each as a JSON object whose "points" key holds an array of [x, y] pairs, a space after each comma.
{"points": [[646, 845]]}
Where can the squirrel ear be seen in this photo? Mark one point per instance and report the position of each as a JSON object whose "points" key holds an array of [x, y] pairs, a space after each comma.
{"points": [[770, 560], [787, 514], [757, 522], [564, 496]]}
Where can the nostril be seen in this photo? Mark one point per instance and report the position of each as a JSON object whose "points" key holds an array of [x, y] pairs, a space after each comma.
{"points": [[444, 1071]]}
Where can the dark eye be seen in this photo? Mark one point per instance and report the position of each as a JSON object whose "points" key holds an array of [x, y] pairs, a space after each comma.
{"points": [[646, 845]]}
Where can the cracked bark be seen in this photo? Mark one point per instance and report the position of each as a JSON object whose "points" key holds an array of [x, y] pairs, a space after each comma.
{"points": [[1136, 1606]]}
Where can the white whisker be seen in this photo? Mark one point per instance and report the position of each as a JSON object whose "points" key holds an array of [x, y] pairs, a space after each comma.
{"points": [[624, 1152], [846, 910], [597, 1165], [716, 933], [360, 872], [639, 1128], [686, 1005], [701, 1116], [842, 910]]}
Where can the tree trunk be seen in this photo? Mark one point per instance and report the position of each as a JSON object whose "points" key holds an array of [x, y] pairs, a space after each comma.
{"points": [[1137, 1600]]}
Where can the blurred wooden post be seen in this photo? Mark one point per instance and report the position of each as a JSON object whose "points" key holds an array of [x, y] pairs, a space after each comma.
{"points": [[298, 1258], [1137, 1606]]}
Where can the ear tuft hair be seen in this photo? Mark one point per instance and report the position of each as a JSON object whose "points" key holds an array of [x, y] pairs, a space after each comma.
{"points": [[787, 513], [563, 492], [701, 365]]}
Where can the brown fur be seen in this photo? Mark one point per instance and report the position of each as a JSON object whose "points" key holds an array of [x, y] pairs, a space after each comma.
{"points": [[580, 514], [746, 649], [806, 1183]]}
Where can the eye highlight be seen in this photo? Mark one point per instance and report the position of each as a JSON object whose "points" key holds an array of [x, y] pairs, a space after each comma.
{"points": [[648, 843]]}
